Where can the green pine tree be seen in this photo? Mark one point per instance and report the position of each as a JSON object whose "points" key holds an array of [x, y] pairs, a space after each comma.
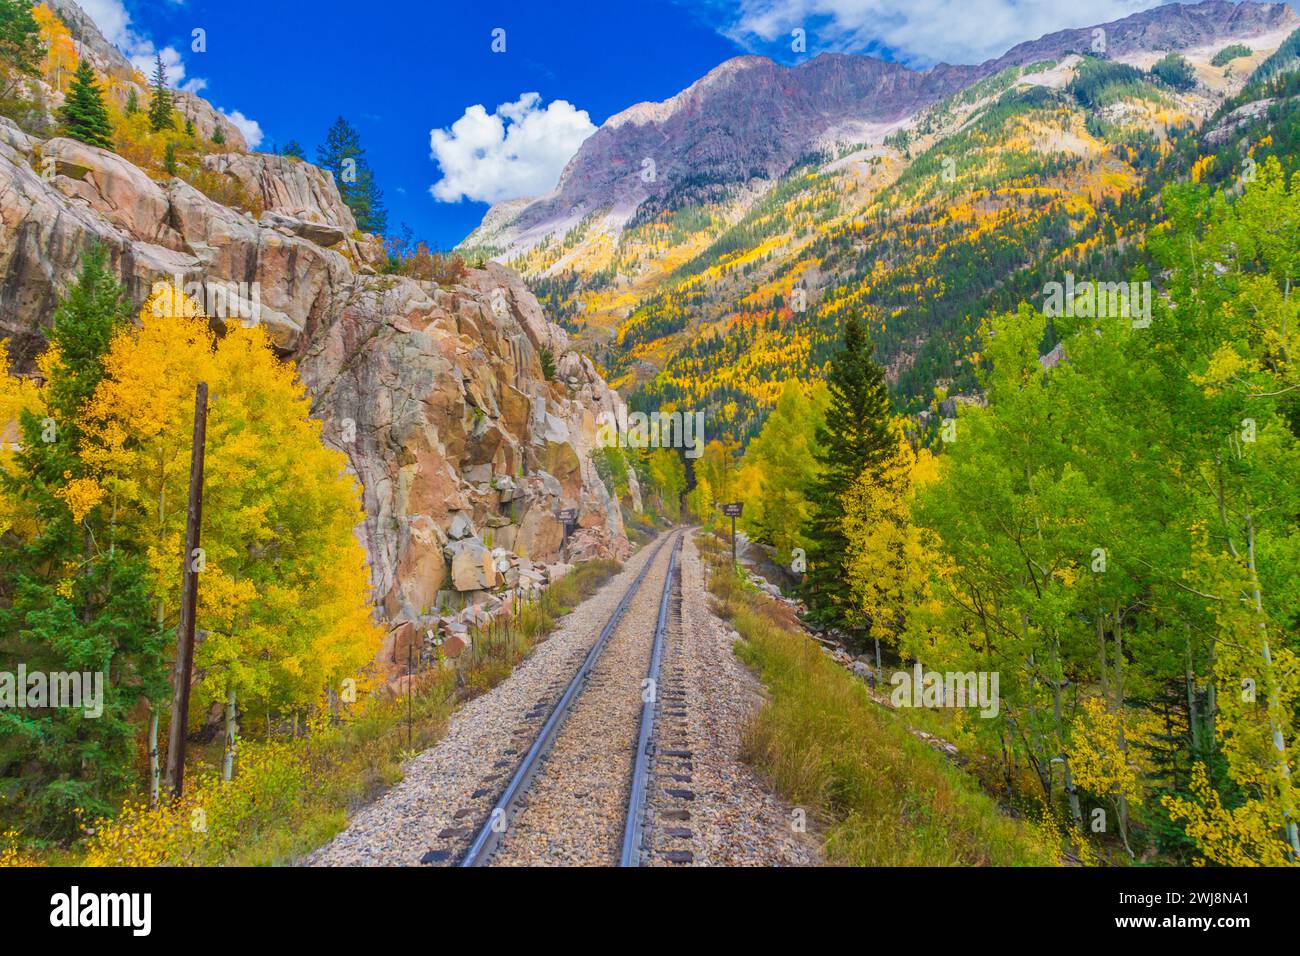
{"points": [[218, 137], [160, 106], [132, 102], [854, 439], [84, 115], [343, 155], [71, 600]]}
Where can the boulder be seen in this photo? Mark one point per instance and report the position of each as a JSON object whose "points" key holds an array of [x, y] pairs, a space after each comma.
{"points": [[453, 645], [295, 190], [471, 565], [540, 534], [120, 192]]}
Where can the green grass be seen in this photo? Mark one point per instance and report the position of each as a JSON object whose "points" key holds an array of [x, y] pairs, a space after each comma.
{"points": [[882, 797]]}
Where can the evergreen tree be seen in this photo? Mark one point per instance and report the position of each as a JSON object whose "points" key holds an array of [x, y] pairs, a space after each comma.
{"points": [[1175, 71], [160, 107], [83, 114], [218, 137], [73, 601], [854, 439], [292, 148], [343, 155], [189, 127], [132, 102]]}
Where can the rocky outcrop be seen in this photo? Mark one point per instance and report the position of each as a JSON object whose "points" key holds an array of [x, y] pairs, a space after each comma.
{"points": [[466, 453], [437, 396], [107, 59], [60, 195], [288, 187]]}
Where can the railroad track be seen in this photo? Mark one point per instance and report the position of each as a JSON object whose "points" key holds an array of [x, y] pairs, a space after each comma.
{"points": [[587, 800], [660, 699]]}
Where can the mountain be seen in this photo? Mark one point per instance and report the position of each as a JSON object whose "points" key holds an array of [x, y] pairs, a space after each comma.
{"points": [[750, 118], [704, 248], [464, 441]]}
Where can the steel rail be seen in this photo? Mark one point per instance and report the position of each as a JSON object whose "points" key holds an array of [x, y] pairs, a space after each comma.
{"points": [[634, 828], [489, 835]]}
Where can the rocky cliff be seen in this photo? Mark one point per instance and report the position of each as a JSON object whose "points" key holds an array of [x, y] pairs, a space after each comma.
{"points": [[464, 449]]}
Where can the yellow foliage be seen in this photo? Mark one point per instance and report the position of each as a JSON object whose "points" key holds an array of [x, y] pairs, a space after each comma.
{"points": [[210, 819], [61, 60], [81, 495], [1098, 762], [284, 594], [16, 396], [12, 854], [1245, 836], [888, 558]]}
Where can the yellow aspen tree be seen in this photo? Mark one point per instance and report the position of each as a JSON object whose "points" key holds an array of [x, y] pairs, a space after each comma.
{"points": [[138, 427], [284, 592], [16, 396], [887, 562]]}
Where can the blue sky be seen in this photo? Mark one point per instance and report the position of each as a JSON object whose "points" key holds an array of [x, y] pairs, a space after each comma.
{"points": [[401, 69]]}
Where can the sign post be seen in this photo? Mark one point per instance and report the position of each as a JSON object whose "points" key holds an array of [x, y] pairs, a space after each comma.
{"points": [[733, 510], [567, 517]]}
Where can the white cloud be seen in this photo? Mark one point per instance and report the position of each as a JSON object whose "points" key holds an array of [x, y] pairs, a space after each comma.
{"points": [[919, 32], [114, 23], [111, 18], [251, 129], [518, 150]]}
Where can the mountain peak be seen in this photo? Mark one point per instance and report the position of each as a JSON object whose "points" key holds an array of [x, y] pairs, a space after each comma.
{"points": [[750, 117]]}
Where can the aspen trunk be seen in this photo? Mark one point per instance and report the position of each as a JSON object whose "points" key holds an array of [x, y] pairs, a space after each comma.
{"points": [[1193, 718], [1121, 740], [1076, 811], [228, 765], [1274, 702], [155, 769]]}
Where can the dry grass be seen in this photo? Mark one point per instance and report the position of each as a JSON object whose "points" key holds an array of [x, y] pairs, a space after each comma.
{"points": [[293, 794], [883, 798]]}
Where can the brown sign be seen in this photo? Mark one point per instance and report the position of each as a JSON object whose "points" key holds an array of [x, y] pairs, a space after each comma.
{"points": [[733, 509]]}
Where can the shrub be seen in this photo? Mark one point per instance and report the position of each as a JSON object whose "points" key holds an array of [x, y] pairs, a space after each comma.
{"points": [[881, 796]]}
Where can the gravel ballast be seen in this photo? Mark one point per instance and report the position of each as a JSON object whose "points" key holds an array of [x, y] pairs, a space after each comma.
{"points": [[575, 811]]}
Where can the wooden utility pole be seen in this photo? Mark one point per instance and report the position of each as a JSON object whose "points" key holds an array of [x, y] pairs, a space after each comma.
{"points": [[189, 601]]}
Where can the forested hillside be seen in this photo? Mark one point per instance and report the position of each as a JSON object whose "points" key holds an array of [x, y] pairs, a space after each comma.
{"points": [[1009, 388], [1111, 527], [713, 294]]}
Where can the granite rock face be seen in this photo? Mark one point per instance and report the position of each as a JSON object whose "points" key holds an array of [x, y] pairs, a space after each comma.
{"points": [[464, 449]]}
